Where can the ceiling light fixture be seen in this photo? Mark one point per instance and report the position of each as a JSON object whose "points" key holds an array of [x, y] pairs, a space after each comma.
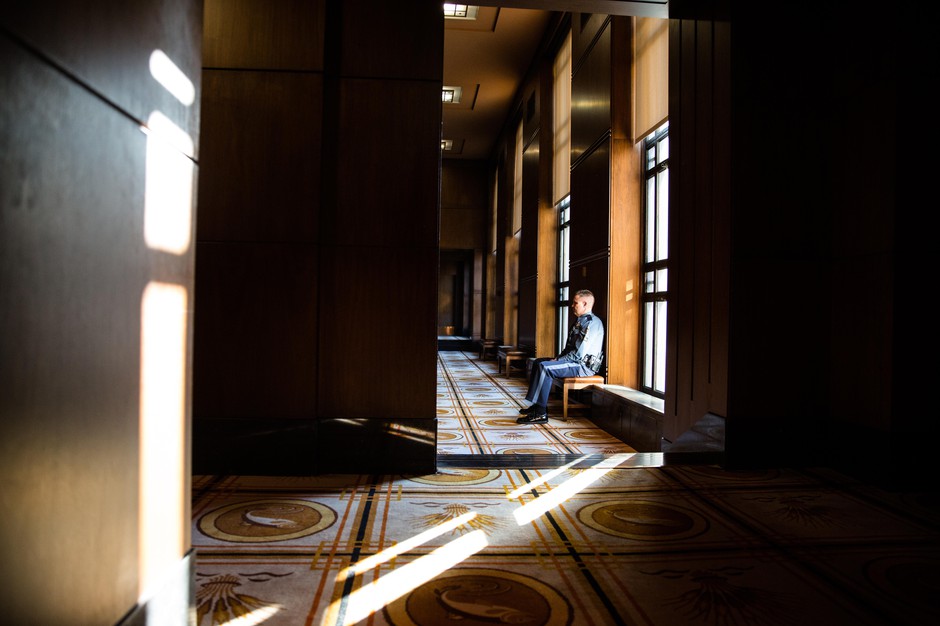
{"points": [[451, 94], [460, 11]]}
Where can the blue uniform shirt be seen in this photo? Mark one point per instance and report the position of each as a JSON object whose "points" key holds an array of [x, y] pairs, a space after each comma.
{"points": [[585, 342]]}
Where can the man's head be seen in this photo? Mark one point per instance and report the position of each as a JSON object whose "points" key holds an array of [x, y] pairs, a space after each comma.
{"points": [[583, 302]]}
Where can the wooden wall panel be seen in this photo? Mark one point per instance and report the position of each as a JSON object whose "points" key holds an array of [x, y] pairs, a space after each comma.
{"points": [[399, 205], [462, 229], [455, 298], [626, 208], [590, 203], [705, 398], [390, 225], [463, 221], [249, 191], [256, 317], [531, 111], [528, 315], [465, 185], [503, 212], [591, 159], [873, 329], [842, 345], [464, 204], [259, 34], [590, 96], [626, 215], [585, 28], [528, 252], [408, 36], [477, 308], [546, 222], [259, 198], [362, 308], [777, 236], [366, 225], [677, 417], [528, 246]]}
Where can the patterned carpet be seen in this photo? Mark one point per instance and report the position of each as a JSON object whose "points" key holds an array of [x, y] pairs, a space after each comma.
{"points": [[477, 409], [598, 545]]}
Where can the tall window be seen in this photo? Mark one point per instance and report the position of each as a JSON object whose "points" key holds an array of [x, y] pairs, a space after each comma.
{"points": [[561, 180], [564, 234], [655, 259]]}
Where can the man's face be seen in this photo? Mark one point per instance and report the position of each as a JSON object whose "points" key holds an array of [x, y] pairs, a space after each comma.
{"points": [[580, 305]]}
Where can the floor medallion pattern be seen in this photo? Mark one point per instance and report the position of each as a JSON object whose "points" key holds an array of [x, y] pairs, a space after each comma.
{"points": [[654, 545], [595, 544]]}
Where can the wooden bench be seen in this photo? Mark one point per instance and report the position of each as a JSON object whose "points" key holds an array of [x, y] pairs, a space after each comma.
{"points": [[507, 355], [488, 347], [574, 382]]}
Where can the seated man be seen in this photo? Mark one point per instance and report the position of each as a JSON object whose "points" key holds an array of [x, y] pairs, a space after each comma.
{"points": [[582, 356]]}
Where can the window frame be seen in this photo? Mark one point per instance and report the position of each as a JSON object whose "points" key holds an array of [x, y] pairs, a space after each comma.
{"points": [[563, 277], [654, 263]]}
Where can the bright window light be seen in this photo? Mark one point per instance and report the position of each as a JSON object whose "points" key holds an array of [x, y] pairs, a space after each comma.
{"points": [[258, 616], [530, 511], [372, 597], [165, 72], [162, 434], [390, 553], [168, 188], [532, 484]]}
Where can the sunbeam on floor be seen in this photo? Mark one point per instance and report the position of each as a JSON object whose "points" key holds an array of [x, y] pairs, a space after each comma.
{"points": [[590, 542]]}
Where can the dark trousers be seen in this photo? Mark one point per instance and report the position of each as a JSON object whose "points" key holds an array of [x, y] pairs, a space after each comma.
{"points": [[544, 371]]}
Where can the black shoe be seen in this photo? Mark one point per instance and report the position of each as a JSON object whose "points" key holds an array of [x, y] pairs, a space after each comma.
{"points": [[529, 410], [533, 418]]}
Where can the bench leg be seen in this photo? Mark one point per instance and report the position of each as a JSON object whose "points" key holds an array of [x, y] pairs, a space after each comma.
{"points": [[564, 402]]}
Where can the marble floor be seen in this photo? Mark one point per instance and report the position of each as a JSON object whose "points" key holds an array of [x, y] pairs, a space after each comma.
{"points": [[477, 407], [560, 527]]}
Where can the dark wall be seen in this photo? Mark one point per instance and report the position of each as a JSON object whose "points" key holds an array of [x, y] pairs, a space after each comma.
{"points": [[791, 282], [590, 156], [76, 256], [528, 251], [699, 225], [319, 243], [465, 198]]}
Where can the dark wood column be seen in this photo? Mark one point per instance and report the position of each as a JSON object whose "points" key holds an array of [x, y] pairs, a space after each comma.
{"points": [[604, 209], [318, 243]]}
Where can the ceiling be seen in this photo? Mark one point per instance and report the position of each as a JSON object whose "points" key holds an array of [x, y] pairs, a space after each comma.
{"points": [[488, 59]]}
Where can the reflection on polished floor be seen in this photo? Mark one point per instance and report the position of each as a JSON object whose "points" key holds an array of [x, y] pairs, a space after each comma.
{"points": [[590, 541]]}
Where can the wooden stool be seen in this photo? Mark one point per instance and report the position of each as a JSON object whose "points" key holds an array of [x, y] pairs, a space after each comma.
{"points": [[488, 346], [514, 355], [575, 382], [502, 354]]}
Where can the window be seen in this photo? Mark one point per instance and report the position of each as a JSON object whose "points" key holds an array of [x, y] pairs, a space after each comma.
{"points": [[564, 233], [561, 181], [654, 269]]}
